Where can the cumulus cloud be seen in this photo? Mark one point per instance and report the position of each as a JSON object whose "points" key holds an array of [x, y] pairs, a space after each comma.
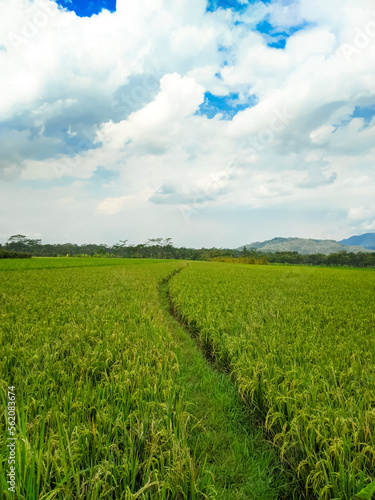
{"points": [[362, 218], [360, 213], [317, 176], [122, 91], [111, 206]]}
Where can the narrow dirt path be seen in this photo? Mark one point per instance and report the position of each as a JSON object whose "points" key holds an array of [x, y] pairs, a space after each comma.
{"points": [[243, 463]]}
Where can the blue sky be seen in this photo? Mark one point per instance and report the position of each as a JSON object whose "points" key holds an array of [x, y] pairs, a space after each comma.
{"points": [[367, 113], [227, 106], [213, 5], [84, 8], [276, 37], [219, 124]]}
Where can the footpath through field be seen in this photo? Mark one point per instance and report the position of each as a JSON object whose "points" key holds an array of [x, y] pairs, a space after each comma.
{"points": [[243, 464]]}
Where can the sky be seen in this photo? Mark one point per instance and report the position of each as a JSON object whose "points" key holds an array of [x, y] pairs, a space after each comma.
{"points": [[216, 123]]}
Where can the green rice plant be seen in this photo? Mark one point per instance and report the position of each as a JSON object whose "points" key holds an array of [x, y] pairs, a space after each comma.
{"points": [[366, 492], [100, 411], [299, 344]]}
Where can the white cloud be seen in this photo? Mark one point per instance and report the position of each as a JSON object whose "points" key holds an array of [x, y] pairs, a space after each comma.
{"points": [[111, 206], [121, 91], [360, 213], [178, 98], [322, 134], [362, 218]]}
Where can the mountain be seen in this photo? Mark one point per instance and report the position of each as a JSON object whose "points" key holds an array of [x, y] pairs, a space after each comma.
{"points": [[303, 246], [366, 240]]}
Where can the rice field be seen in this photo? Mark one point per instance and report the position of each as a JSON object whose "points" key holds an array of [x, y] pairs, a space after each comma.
{"points": [[113, 399], [110, 399], [299, 344], [99, 414]]}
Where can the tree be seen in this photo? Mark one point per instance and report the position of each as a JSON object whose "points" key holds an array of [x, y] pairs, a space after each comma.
{"points": [[17, 242], [155, 245], [167, 244], [245, 252], [119, 249]]}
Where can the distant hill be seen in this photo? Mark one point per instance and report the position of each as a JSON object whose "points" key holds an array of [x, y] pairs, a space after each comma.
{"points": [[366, 240], [303, 246]]}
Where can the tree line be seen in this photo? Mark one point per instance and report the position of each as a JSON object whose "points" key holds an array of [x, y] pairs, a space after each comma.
{"points": [[340, 259], [153, 248], [5, 254], [163, 248]]}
